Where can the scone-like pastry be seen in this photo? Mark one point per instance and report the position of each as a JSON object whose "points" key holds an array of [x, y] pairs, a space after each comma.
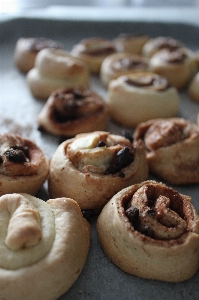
{"points": [[23, 166], [177, 66], [119, 64], [135, 98], [171, 149], [151, 231], [92, 167], [54, 69], [158, 43], [92, 51], [44, 246], [194, 88], [68, 112], [131, 43], [27, 48]]}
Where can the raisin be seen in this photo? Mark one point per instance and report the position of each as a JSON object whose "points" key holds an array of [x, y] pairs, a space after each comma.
{"points": [[15, 155], [151, 212], [133, 214], [127, 135], [101, 144], [1, 159]]}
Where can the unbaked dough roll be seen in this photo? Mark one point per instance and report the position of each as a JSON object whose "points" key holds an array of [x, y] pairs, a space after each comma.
{"points": [[131, 43], [135, 98], [27, 49], [54, 69], [92, 51], [194, 88], [44, 246], [23, 166], [171, 149], [92, 167], [68, 112], [151, 231]]}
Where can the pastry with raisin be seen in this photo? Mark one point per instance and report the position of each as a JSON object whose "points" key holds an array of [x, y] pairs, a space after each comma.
{"points": [[171, 149], [23, 166], [92, 51], [131, 43], [27, 48], [92, 167], [135, 98], [38, 246], [54, 69], [194, 88], [151, 231], [119, 64], [68, 112]]}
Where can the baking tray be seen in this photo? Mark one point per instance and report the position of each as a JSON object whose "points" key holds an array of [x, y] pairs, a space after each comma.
{"points": [[100, 278]]}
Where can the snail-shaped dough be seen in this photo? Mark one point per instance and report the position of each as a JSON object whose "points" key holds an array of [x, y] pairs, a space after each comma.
{"points": [[171, 149], [44, 246], [68, 112], [91, 168], [23, 166], [131, 43], [151, 231]]}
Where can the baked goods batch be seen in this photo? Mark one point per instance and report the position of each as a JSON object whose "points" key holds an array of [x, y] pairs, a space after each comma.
{"points": [[145, 227]]}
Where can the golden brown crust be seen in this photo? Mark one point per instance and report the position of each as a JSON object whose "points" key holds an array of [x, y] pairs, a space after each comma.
{"points": [[131, 43], [23, 166], [57, 257], [92, 167], [151, 231], [171, 149], [68, 112]]}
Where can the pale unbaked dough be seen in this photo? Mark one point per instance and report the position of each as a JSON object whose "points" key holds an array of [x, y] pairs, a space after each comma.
{"points": [[194, 88]]}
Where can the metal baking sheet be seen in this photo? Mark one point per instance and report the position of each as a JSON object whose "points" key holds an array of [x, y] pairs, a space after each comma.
{"points": [[100, 278]]}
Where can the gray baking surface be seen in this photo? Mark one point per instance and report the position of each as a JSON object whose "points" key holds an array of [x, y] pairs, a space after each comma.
{"points": [[100, 278]]}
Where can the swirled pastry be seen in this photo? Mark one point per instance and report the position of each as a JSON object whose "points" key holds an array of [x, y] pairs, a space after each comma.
{"points": [[68, 112], [92, 51], [92, 167], [171, 149], [27, 49], [131, 43], [177, 66], [135, 98], [54, 69], [23, 166], [158, 43], [119, 64], [194, 88], [44, 246], [151, 231]]}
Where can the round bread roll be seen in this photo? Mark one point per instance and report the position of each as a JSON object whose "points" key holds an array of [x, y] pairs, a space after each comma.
{"points": [[54, 69], [161, 42], [151, 231], [194, 88], [171, 149], [135, 98], [27, 48], [177, 66], [92, 167], [44, 246], [119, 64], [131, 43], [68, 112], [23, 166], [92, 51]]}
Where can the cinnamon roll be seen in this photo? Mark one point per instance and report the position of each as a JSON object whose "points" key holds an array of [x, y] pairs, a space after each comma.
{"points": [[92, 51], [131, 43], [151, 231], [68, 112], [135, 98], [38, 245], [26, 50], [92, 167], [193, 89], [177, 66], [54, 69], [23, 166], [119, 64], [171, 149]]}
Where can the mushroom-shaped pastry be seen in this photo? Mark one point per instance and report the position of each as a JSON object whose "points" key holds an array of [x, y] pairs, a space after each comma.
{"points": [[171, 149], [68, 112], [151, 231], [23, 166], [44, 246], [92, 167]]}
